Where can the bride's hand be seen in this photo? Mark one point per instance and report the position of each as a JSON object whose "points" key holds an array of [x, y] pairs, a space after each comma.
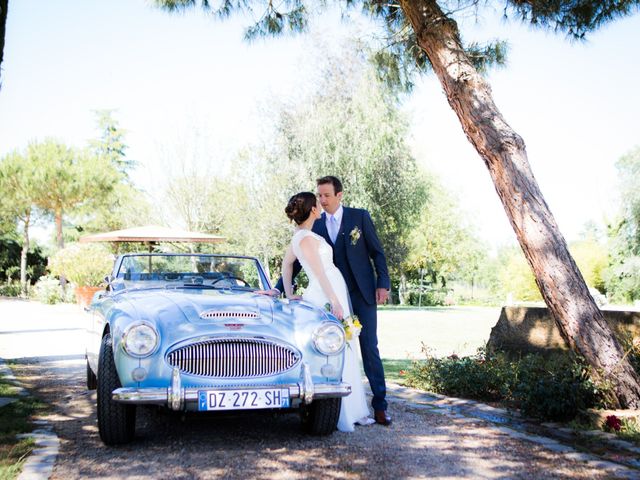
{"points": [[336, 309], [295, 297]]}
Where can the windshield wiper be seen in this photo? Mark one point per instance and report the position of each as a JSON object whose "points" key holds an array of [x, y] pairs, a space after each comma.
{"points": [[201, 286]]}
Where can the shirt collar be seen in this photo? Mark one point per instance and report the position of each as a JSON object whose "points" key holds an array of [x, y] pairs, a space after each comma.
{"points": [[338, 215]]}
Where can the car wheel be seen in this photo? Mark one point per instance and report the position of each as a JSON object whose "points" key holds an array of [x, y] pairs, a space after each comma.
{"points": [[321, 417], [116, 421], [92, 381]]}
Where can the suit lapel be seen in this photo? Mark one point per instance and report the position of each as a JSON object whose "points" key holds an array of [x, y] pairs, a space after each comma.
{"points": [[344, 224]]}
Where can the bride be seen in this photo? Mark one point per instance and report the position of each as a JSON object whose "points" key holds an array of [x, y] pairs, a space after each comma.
{"points": [[326, 285]]}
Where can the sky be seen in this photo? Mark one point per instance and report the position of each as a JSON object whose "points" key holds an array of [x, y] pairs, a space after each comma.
{"points": [[187, 86]]}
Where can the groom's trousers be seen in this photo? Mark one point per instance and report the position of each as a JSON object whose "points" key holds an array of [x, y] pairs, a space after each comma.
{"points": [[368, 316]]}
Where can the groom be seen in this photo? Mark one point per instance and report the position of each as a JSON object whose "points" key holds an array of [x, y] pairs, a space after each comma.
{"points": [[352, 235]]}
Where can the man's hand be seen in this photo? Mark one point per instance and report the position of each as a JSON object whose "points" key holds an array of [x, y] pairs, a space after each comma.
{"points": [[274, 292], [382, 295]]}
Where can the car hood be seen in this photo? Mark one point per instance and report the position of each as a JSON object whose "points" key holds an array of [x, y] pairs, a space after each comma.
{"points": [[201, 306]]}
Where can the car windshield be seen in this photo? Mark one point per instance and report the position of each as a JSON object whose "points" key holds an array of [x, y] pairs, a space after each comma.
{"points": [[195, 271]]}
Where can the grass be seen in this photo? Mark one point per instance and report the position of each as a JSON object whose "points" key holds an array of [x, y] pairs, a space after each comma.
{"points": [[7, 389], [16, 418], [413, 307], [393, 367]]}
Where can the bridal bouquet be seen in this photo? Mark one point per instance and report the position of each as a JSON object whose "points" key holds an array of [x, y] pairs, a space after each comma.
{"points": [[351, 324], [352, 327]]}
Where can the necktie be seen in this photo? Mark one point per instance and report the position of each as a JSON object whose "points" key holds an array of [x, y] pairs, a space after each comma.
{"points": [[333, 228]]}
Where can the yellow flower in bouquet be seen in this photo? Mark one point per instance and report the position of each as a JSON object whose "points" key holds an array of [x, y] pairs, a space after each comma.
{"points": [[351, 324], [352, 327]]}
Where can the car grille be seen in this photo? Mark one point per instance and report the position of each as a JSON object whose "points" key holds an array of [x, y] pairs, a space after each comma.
{"points": [[234, 358], [228, 314]]}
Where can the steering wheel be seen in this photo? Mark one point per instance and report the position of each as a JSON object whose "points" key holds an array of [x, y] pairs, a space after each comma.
{"points": [[229, 279]]}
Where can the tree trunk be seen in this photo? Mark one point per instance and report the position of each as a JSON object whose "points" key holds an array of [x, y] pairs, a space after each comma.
{"points": [[60, 242], [402, 289], [4, 5], [503, 151], [59, 237], [23, 256]]}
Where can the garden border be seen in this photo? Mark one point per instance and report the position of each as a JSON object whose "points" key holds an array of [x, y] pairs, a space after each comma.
{"points": [[548, 435], [40, 463]]}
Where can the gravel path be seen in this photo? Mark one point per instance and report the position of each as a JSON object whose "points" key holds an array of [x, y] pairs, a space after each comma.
{"points": [[419, 444], [47, 343]]}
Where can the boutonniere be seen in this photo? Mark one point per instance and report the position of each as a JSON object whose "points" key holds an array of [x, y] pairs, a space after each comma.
{"points": [[355, 235]]}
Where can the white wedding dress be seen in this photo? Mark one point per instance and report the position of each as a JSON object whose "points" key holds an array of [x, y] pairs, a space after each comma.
{"points": [[354, 407]]}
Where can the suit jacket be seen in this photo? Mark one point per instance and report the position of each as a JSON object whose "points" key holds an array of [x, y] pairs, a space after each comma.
{"points": [[356, 253]]}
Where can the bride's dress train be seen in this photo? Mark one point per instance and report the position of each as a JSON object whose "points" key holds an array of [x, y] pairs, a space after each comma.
{"points": [[354, 407]]}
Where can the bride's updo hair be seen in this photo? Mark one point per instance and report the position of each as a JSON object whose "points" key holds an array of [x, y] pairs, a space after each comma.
{"points": [[299, 207]]}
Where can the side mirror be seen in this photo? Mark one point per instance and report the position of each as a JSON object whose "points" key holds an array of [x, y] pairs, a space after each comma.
{"points": [[109, 280]]}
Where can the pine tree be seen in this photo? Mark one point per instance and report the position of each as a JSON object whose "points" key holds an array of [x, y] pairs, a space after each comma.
{"points": [[424, 34]]}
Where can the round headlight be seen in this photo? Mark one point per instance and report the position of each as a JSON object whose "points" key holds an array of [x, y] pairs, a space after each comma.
{"points": [[140, 340], [329, 338]]}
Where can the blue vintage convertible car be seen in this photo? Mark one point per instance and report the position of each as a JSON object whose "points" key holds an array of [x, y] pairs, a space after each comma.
{"points": [[188, 332]]}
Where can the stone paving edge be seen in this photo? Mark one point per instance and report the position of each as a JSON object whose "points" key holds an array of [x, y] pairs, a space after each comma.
{"points": [[39, 465], [442, 404]]}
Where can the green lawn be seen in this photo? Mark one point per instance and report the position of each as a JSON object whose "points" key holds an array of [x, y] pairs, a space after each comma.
{"points": [[393, 367]]}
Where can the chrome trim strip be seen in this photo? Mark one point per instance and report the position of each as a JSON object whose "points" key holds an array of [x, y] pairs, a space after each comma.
{"points": [[175, 394], [306, 384], [160, 396]]}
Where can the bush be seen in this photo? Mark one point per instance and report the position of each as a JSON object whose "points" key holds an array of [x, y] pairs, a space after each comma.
{"points": [[554, 388], [10, 261], [472, 377], [631, 346], [48, 290], [85, 265], [623, 279], [10, 289], [431, 298]]}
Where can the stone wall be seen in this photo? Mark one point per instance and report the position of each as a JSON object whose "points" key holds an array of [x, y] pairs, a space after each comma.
{"points": [[532, 329]]}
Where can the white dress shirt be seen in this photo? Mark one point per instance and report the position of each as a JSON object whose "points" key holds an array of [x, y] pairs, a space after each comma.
{"points": [[338, 219]]}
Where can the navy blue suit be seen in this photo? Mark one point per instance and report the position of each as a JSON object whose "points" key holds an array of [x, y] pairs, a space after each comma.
{"points": [[353, 257]]}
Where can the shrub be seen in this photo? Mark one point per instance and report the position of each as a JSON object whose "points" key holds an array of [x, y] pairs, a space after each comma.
{"points": [[431, 298], [631, 347], [10, 289], [83, 264], [623, 279], [628, 428], [10, 261], [473, 377], [48, 290], [553, 388]]}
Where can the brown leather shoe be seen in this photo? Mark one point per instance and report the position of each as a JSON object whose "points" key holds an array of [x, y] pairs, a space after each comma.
{"points": [[382, 417]]}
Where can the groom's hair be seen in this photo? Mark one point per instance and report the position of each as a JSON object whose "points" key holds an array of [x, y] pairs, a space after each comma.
{"points": [[335, 181]]}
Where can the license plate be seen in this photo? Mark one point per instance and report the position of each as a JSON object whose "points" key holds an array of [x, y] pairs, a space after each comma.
{"points": [[243, 399]]}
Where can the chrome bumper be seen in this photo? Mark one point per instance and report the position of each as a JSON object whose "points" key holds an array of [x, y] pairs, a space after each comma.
{"points": [[175, 397]]}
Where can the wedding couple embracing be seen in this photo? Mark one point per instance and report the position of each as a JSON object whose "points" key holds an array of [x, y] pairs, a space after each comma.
{"points": [[336, 249]]}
